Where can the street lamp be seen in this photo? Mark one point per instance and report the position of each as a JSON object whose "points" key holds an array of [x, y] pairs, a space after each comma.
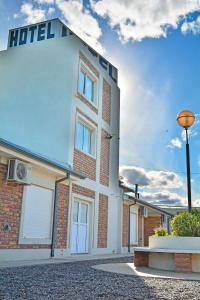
{"points": [[186, 119]]}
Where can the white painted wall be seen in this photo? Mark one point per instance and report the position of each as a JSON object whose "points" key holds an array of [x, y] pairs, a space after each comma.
{"points": [[38, 92]]}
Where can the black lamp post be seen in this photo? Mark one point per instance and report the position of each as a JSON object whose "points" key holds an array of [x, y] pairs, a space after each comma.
{"points": [[186, 119]]}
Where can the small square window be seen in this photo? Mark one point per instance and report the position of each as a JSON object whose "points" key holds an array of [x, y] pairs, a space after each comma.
{"points": [[84, 138], [86, 85]]}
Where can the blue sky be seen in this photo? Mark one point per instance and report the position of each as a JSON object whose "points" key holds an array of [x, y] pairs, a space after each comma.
{"points": [[156, 46]]}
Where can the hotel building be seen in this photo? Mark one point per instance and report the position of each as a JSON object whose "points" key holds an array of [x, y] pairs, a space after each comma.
{"points": [[59, 146]]}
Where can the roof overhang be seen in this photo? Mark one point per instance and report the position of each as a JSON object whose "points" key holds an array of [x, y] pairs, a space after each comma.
{"points": [[132, 200], [10, 150]]}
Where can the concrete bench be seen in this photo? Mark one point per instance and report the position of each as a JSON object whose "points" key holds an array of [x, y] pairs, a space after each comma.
{"points": [[179, 260]]}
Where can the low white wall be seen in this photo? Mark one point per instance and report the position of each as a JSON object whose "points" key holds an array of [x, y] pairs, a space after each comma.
{"points": [[179, 243], [162, 261], [196, 262], [23, 254]]}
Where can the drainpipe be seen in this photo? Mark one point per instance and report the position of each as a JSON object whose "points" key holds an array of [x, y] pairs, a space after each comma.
{"points": [[129, 218], [55, 208]]}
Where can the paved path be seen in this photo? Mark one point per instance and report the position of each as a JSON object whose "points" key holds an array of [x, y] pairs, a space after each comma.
{"points": [[78, 280], [129, 269]]}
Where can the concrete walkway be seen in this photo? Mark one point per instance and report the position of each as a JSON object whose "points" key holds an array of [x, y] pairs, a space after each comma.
{"points": [[70, 259], [129, 269]]}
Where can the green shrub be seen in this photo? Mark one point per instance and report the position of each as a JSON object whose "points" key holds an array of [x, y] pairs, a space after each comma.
{"points": [[161, 231], [186, 224]]}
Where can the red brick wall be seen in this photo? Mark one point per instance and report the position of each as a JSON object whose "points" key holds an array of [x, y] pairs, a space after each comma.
{"points": [[10, 210], [125, 226], [141, 259], [106, 102], [150, 223], [183, 262], [10, 213], [77, 189], [102, 221], [84, 164], [88, 64], [62, 216], [104, 159]]}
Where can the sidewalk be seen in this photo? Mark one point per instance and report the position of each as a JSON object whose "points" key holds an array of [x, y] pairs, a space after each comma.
{"points": [[72, 258], [129, 269]]}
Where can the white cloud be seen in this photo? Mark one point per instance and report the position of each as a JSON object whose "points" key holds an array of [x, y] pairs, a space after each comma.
{"points": [[193, 26], [136, 20], [150, 179], [32, 15], [175, 143], [81, 22], [15, 16], [51, 10], [163, 198], [168, 198], [44, 1]]}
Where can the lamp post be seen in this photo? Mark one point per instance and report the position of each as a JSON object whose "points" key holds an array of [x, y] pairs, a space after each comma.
{"points": [[186, 119]]}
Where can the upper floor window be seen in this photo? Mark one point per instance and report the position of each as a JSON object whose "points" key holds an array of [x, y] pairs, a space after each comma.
{"points": [[84, 138], [86, 85]]}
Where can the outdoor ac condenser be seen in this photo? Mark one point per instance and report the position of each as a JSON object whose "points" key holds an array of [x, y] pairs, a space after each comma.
{"points": [[19, 171]]}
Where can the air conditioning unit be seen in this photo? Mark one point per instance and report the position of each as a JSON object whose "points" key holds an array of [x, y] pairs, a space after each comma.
{"points": [[19, 171], [143, 211]]}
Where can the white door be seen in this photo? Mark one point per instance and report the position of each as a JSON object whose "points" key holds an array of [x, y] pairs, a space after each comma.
{"points": [[79, 232], [133, 229]]}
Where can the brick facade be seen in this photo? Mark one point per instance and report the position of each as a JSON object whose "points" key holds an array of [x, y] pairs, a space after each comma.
{"points": [[84, 164], [106, 102], [150, 223], [10, 210], [141, 259], [104, 158], [11, 195], [62, 216], [125, 226], [77, 189], [102, 221], [183, 262], [88, 64]]}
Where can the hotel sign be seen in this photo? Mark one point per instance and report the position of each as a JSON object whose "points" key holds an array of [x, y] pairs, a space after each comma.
{"points": [[50, 30]]}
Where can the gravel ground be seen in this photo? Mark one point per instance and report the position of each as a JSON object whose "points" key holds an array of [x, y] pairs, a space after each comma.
{"points": [[79, 281]]}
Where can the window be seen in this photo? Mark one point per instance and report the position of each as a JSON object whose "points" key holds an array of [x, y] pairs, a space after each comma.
{"points": [[37, 215], [83, 137], [86, 85]]}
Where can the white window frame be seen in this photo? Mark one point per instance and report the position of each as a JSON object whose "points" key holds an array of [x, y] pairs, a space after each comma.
{"points": [[23, 240], [91, 75], [92, 128]]}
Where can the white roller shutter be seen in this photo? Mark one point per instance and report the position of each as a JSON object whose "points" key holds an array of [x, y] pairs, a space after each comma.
{"points": [[37, 213]]}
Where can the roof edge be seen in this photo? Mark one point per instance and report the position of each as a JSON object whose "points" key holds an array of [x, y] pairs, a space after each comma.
{"points": [[39, 157]]}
